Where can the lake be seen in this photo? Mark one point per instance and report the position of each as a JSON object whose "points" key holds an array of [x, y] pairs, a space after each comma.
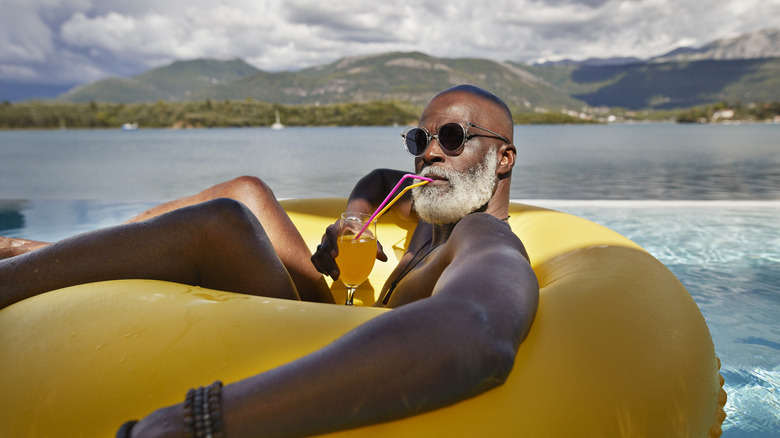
{"points": [[704, 199]]}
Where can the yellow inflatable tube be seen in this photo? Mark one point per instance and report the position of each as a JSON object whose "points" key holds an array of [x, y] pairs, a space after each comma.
{"points": [[618, 347]]}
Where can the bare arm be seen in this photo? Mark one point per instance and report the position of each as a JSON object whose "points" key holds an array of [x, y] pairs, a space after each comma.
{"points": [[372, 189], [366, 197], [437, 351]]}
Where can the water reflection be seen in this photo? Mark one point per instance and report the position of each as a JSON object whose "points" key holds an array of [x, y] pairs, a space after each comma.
{"points": [[11, 217]]}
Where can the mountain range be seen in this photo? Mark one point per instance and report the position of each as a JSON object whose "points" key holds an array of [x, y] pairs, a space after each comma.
{"points": [[744, 69]]}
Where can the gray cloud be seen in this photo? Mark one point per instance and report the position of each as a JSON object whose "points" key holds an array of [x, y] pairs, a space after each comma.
{"points": [[74, 41]]}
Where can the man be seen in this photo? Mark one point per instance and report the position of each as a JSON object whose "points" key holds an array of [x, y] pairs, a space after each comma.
{"points": [[465, 290]]}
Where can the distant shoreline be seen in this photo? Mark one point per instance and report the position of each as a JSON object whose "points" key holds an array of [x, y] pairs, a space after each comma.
{"points": [[249, 113], [224, 114]]}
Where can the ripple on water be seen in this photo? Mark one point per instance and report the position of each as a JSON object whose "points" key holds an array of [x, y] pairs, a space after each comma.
{"points": [[753, 406]]}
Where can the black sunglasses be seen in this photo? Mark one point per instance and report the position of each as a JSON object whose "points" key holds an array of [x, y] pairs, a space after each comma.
{"points": [[451, 138]]}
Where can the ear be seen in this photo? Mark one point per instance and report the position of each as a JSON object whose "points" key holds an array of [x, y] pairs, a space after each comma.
{"points": [[506, 153]]}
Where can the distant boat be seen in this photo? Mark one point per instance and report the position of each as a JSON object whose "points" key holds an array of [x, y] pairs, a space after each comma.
{"points": [[277, 124], [130, 126]]}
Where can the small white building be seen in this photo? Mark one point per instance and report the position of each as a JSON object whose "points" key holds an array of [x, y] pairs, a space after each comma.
{"points": [[725, 114]]}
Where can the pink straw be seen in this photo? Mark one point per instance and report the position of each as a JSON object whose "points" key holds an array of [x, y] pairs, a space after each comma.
{"points": [[390, 195]]}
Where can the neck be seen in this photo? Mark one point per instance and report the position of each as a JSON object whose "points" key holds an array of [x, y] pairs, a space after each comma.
{"points": [[498, 205], [441, 233]]}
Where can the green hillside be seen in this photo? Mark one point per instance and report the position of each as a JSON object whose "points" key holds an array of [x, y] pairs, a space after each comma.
{"points": [[120, 90], [406, 77], [183, 78], [174, 82], [669, 85], [414, 77]]}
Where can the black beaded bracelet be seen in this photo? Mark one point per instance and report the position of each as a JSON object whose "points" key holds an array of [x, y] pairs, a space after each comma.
{"points": [[203, 411], [215, 408]]}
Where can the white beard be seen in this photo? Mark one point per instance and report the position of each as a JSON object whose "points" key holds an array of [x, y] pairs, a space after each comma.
{"points": [[467, 191]]}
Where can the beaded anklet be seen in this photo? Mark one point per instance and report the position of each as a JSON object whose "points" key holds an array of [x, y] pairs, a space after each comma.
{"points": [[203, 411]]}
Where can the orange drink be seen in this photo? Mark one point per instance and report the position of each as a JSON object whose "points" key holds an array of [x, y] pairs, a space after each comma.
{"points": [[356, 258]]}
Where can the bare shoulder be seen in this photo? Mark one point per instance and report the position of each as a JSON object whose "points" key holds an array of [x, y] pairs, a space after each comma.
{"points": [[488, 272], [485, 254], [480, 231]]}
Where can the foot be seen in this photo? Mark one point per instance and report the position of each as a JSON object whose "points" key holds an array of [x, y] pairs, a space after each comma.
{"points": [[10, 247]]}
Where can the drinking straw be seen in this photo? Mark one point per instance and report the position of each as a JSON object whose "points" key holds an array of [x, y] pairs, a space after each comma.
{"points": [[382, 208]]}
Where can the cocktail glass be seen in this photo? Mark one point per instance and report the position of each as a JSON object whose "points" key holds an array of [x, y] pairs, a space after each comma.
{"points": [[356, 256]]}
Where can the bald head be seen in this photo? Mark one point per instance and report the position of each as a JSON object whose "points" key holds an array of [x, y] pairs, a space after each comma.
{"points": [[491, 107]]}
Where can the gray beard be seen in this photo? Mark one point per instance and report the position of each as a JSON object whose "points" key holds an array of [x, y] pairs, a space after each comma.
{"points": [[466, 193]]}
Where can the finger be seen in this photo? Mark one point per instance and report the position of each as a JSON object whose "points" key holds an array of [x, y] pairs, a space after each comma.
{"points": [[324, 263], [331, 240], [330, 269], [316, 260], [380, 252], [327, 251]]}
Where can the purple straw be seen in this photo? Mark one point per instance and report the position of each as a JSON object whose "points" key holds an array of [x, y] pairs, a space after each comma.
{"points": [[389, 196]]}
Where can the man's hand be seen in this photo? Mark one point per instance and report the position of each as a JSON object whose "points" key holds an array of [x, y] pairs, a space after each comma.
{"points": [[324, 258], [365, 198]]}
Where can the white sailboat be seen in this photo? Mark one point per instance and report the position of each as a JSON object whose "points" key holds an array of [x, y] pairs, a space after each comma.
{"points": [[277, 124]]}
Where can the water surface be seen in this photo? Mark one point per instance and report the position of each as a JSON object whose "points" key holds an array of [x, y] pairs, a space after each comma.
{"points": [[703, 199]]}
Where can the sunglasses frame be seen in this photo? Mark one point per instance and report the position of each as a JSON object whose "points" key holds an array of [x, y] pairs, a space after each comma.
{"points": [[451, 152]]}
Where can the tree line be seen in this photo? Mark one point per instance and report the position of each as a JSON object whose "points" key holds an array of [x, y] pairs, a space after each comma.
{"points": [[725, 112], [217, 114], [204, 114]]}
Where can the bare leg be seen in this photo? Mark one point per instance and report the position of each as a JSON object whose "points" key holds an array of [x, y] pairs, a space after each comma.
{"points": [[259, 198], [285, 238], [217, 244], [10, 247], [243, 189]]}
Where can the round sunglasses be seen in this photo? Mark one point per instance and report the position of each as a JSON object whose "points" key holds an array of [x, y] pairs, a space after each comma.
{"points": [[451, 137]]}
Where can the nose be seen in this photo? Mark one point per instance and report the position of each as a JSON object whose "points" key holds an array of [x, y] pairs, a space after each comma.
{"points": [[433, 153]]}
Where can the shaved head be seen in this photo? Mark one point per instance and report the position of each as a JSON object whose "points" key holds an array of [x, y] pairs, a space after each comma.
{"points": [[499, 110]]}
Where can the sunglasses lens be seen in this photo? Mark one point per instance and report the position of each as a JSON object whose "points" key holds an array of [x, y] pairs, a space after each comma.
{"points": [[416, 141], [451, 136]]}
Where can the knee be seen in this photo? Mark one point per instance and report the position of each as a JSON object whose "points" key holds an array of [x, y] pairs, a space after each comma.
{"points": [[217, 230], [229, 213], [225, 223], [216, 220], [246, 188]]}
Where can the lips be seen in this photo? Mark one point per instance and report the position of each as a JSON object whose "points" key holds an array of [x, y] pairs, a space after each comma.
{"points": [[438, 181], [435, 174]]}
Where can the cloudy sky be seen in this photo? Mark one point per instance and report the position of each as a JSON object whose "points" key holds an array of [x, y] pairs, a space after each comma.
{"points": [[76, 41]]}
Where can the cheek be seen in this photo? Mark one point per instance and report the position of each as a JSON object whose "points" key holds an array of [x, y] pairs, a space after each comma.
{"points": [[467, 160]]}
